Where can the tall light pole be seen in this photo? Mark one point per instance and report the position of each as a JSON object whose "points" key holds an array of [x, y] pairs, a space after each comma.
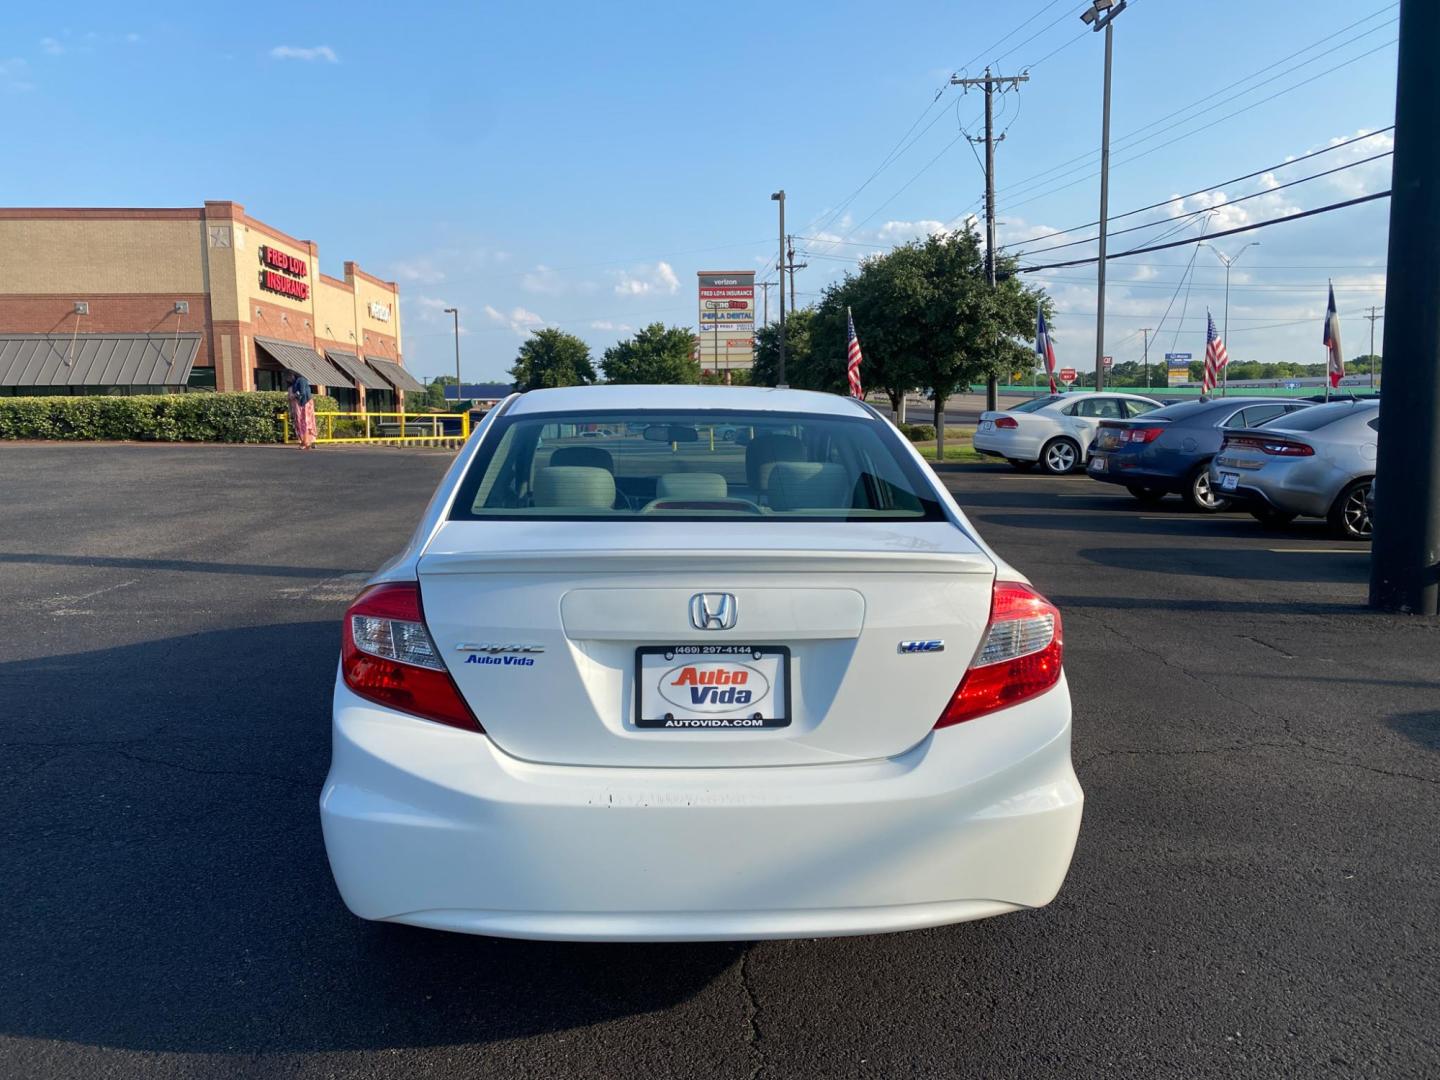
{"points": [[1147, 331], [1099, 16], [456, 313], [779, 197], [1229, 261]]}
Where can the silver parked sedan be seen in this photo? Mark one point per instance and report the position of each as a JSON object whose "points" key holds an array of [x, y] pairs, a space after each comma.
{"points": [[1319, 462]]}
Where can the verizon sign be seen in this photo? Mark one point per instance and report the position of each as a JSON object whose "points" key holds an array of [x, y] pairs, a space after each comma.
{"points": [[726, 316]]}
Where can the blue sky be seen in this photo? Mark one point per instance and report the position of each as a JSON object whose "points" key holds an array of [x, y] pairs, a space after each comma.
{"points": [[575, 164]]}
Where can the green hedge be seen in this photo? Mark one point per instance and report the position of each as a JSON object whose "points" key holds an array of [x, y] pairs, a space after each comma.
{"points": [[918, 432], [228, 418]]}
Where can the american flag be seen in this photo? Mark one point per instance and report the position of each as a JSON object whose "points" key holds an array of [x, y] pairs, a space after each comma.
{"points": [[852, 355], [1332, 341], [1044, 347], [1216, 358]]}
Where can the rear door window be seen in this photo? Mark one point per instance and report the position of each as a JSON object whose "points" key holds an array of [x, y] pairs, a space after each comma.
{"points": [[1140, 408]]}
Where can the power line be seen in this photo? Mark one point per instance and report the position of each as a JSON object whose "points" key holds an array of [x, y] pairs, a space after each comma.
{"points": [[1208, 209], [985, 51], [1205, 127], [1124, 140], [1215, 236], [1211, 187]]}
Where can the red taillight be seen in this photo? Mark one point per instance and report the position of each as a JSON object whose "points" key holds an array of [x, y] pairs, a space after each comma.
{"points": [[1019, 657], [388, 657], [1006, 422], [1273, 447], [1143, 434]]}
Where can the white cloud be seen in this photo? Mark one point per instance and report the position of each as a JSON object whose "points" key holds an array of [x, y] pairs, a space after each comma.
{"points": [[543, 280], [422, 270], [518, 319], [613, 327], [309, 54], [647, 280], [51, 46], [132, 37], [15, 75]]}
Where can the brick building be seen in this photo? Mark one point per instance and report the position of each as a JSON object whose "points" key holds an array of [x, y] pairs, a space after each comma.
{"points": [[157, 300]]}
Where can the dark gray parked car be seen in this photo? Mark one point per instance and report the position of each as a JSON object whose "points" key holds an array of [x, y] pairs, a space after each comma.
{"points": [[1169, 450]]}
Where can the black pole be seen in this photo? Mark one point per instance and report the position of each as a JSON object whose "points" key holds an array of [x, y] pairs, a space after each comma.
{"points": [[779, 197], [1405, 559]]}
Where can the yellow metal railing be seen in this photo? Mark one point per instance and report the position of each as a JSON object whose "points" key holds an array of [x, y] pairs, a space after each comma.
{"points": [[372, 427]]}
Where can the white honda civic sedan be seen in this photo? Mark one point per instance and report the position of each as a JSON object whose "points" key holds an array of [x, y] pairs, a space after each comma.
{"points": [[1054, 432], [680, 687]]}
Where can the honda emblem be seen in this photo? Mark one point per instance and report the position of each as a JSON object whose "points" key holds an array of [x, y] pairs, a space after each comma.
{"points": [[712, 611]]}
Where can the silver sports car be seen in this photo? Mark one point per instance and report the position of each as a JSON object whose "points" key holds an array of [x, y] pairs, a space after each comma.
{"points": [[1318, 462]]}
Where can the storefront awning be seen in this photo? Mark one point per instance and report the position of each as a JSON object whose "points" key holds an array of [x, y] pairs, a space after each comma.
{"points": [[353, 366], [97, 359], [304, 361], [396, 375]]}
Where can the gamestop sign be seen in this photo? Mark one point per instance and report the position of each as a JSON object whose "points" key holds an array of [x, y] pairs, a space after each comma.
{"points": [[283, 273]]}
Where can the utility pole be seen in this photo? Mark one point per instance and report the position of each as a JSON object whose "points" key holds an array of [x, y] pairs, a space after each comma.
{"points": [[790, 242], [779, 197], [1099, 16], [1372, 317], [989, 82], [1405, 554], [1147, 331], [767, 286]]}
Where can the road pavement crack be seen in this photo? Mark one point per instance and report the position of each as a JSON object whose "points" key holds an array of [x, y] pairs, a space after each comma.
{"points": [[753, 1038]]}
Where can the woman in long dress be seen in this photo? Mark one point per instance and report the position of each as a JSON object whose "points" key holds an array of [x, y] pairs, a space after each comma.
{"points": [[302, 411]]}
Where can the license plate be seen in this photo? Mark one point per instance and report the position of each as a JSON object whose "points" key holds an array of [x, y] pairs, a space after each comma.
{"points": [[1228, 480], [712, 687], [1098, 464], [987, 425]]}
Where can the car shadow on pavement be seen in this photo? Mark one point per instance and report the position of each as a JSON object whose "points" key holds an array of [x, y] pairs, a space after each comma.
{"points": [[166, 886], [1422, 728], [111, 562], [1331, 568]]}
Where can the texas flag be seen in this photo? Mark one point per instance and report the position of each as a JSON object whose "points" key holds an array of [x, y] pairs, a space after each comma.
{"points": [[1044, 348], [1332, 341]]}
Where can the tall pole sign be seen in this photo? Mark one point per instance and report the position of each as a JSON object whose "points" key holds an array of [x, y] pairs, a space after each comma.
{"points": [[726, 307]]}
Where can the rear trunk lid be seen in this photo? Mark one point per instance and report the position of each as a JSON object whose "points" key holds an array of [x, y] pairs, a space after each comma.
{"points": [[542, 625]]}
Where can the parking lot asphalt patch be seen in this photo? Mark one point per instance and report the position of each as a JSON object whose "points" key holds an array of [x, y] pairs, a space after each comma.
{"points": [[1254, 892]]}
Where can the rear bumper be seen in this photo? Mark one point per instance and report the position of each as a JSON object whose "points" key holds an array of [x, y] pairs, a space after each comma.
{"points": [[1008, 444], [1289, 490], [436, 827], [1130, 472]]}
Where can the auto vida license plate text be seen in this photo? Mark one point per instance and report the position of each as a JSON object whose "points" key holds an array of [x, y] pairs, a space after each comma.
{"points": [[712, 687]]}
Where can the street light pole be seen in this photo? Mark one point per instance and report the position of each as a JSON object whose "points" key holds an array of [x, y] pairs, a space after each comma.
{"points": [[779, 197], [1147, 331], [456, 313], [1099, 16], [1229, 261]]}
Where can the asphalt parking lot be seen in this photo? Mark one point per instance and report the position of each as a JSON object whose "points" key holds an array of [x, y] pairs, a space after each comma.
{"points": [[1256, 890]]}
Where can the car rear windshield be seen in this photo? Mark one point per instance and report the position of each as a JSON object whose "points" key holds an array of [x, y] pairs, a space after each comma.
{"points": [[652, 465], [1180, 410], [1319, 416], [1036, 403]]}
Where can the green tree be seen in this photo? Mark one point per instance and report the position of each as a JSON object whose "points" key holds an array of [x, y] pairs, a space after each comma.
{"points": [[552, 357], [798, 366], [1363, 365], [654, 355]]}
